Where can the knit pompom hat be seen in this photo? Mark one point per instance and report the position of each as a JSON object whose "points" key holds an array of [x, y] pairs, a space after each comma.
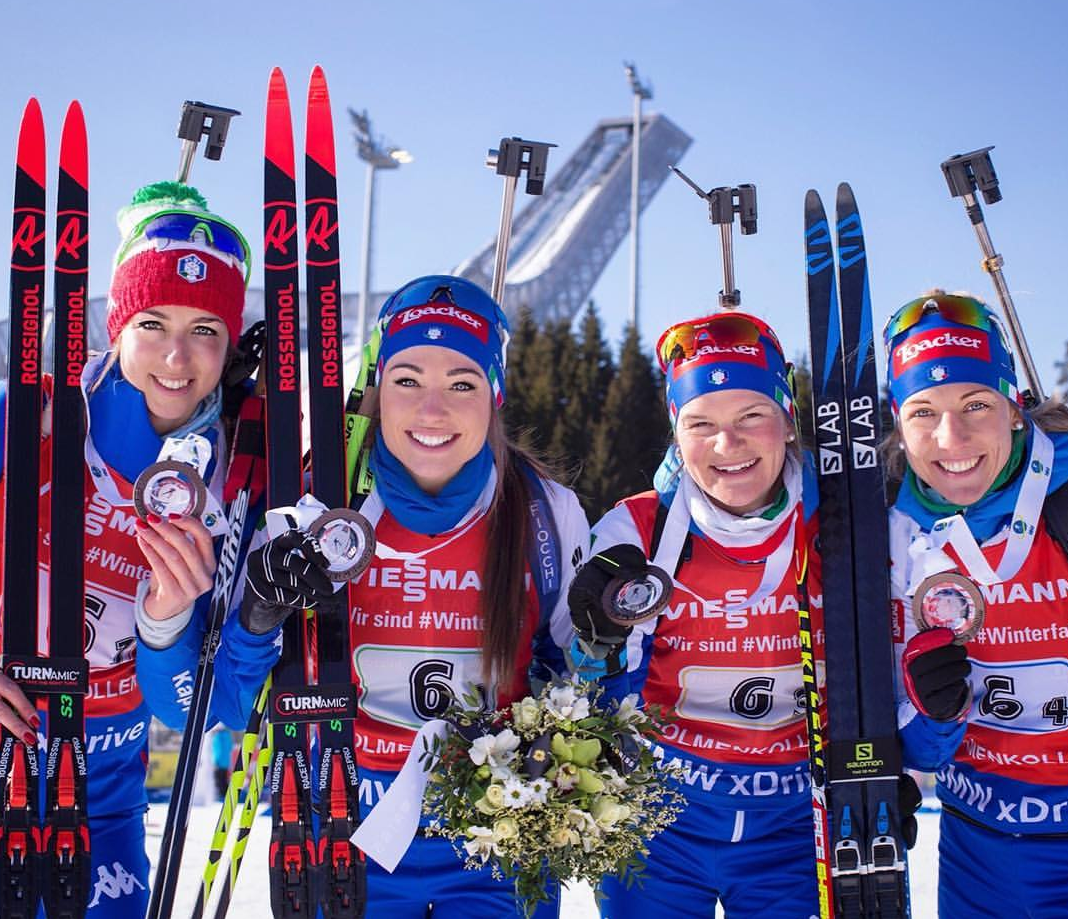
{"points": [[176, 252]]}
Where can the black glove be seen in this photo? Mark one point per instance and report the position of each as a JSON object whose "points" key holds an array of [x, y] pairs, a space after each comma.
{"points": [[909, 799], [287, 573], [585, 598], [936, 675]]}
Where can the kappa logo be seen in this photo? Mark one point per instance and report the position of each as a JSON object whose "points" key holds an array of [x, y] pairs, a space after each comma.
{"points": [[443, 314], [118, 882], [939, 344], [192, 268]]}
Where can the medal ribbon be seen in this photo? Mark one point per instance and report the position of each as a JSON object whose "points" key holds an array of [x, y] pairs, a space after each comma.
{"points": [[926, 553]]}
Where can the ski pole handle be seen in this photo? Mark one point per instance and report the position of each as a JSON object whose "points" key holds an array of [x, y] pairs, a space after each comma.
{"points": [[198, 119], [965, 174], [513, 157]]}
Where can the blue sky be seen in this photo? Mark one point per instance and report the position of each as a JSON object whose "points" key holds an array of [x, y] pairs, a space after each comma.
{"points": [[786, 95]]}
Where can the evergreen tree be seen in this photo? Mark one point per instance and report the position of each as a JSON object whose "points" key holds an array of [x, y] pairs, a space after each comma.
{"points": [[633, 432], [586, 387], [803, 399], [522, 371]]}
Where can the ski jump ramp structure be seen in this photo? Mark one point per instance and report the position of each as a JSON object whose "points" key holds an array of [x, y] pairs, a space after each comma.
{"points": [[561, 240]]}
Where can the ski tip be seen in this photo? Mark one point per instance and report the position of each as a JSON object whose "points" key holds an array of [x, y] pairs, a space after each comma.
{"points": [[276, 88], [320, 128], [278, 135], [845, 192], [812, 199], [74, 148], [30, 157]]}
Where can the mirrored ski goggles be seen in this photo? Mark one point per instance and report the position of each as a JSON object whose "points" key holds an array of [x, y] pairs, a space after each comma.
{"points": [[725, 330], [962, 310], [186, 226]]}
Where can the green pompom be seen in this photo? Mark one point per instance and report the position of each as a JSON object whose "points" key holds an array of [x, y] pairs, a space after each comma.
{"points": [[169, 194]]}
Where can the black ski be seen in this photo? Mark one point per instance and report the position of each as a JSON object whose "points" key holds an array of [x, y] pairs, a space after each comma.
{"points": [[292, 854], [867, 849], [343, 873], [65, 841], [20, 835]]}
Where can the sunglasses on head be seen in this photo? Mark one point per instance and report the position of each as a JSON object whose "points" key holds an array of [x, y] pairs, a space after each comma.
{"points": [[726, 330], [961, 310], [186, 226]]}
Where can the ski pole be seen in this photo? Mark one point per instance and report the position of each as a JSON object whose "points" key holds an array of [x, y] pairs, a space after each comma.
{"points": [[198, 119], [965, 174], [514, 156], [723, 204], [251, 742]]}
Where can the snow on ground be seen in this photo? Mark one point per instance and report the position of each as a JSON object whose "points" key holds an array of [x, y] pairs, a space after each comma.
{"points": [[252, 899]]}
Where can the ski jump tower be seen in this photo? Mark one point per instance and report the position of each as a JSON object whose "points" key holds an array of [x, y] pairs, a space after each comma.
{"points": [[562, 240]]}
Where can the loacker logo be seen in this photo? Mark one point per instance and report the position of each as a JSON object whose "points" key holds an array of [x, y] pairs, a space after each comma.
{"points": [[446, 314], [938, 345], [741, 352]]}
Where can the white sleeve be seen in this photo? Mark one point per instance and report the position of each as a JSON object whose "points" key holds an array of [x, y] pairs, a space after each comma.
{"points": [[902, 531], [573, 531]]}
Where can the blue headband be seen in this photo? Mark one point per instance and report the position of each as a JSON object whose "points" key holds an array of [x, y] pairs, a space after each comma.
{"points": [[448, 312], [759, 366], [936, 351]]}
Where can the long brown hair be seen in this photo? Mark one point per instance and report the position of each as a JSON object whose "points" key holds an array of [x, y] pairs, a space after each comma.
{"points": [[504, 565]]}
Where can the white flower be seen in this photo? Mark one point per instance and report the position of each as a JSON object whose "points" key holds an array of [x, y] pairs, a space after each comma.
{"points": [[481, 842], [628, 711], [525, 712], [566, 704], [607, 811], [539, 790], [613, 779], [498, 750], [516, 793]]}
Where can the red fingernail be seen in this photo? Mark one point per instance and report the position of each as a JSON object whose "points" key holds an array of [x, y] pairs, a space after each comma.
{"points": [[35, 721], [141, 524], [175, 516], [30, 739], [155, 518]]}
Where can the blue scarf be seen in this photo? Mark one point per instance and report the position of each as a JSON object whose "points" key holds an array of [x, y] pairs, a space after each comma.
{"points": [[414, 508], [123, 433], [994, 510]]}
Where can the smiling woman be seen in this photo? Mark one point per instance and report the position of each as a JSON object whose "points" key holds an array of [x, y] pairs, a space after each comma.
{"points": [[174, 312], [983, 708], [727, 518]]}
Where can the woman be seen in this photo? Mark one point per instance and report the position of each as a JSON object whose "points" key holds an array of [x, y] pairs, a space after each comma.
{"points": [[727, 518], [174, 316], [458, 595], [988, 714]]}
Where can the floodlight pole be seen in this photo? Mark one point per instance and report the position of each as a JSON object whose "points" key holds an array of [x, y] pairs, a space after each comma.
{"points": [[640, 91], [377, 155]]}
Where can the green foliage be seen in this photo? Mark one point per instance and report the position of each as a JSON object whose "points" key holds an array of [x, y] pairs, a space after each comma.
{"points": [[605, 426]]}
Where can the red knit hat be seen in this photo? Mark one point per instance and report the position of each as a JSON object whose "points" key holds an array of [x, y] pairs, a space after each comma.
{"points": [[175, 252]]}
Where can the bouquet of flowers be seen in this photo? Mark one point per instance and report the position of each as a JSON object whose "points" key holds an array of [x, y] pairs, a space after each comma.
{"points": [[550, 788]]}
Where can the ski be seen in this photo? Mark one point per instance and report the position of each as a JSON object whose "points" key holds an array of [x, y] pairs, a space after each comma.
{"points": [[292, 853], [879, 766], [863, 759], [20, 835], [65, 881], [343, 873]]}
